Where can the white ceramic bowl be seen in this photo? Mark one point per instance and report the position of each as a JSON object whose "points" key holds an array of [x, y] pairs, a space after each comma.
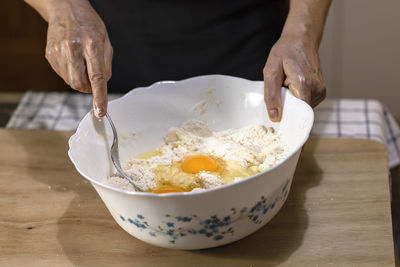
{"points": [[191, 220]]}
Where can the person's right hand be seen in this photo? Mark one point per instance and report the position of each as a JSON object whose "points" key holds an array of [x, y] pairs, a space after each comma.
{"points": [[78, 49]]}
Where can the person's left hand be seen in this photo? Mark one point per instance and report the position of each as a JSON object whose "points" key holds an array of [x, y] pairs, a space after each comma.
{"points": [[292, 62]]}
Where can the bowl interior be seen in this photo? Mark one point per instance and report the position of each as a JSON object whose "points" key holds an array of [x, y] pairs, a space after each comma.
{"points": [[143, 116]]}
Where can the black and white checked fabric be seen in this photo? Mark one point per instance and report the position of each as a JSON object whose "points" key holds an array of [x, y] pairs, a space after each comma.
{"points": [[359, 118], [355, 118], [54, 111]]}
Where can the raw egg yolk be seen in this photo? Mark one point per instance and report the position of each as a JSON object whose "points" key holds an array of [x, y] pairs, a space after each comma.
{"points": [[197, 163], [167, 189]]}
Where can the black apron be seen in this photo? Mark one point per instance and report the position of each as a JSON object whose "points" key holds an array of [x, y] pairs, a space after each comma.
{"points": [[156, 40]]}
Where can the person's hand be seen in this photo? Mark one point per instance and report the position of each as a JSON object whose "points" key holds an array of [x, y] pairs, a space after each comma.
{"points": [[78, 49], [293, 62]]}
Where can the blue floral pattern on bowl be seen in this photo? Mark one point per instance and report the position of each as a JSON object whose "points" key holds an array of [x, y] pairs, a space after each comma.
{"points": [[214, 227]]}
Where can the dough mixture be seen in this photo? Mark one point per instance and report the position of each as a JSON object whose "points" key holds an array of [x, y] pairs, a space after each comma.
{"points": [[193, 157]]}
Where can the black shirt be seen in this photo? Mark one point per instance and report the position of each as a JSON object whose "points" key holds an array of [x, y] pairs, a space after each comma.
{"points": [[157, 40]]}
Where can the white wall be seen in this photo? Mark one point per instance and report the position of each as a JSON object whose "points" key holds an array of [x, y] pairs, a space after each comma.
{"points": [[360, 51]]}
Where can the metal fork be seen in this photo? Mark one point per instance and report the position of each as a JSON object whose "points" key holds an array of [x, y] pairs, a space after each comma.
{"points": [[115, 156]]}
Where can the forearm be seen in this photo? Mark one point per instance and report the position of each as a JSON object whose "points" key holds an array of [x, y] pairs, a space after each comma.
{"points": [[41, 6], [49, 8], [307, 19], [78, 48]]}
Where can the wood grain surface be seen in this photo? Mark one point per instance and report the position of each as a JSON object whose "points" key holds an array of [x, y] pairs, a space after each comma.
{"points": [[337, 213]]}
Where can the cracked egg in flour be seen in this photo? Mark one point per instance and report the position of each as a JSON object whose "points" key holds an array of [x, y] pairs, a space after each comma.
{"points": [[193, 157]]}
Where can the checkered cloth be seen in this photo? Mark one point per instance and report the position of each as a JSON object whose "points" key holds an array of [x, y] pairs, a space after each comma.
{"points": [[52, 111], [333, 118]]}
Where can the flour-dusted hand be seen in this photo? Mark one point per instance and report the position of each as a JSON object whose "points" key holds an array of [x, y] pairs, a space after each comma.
{"points": [[293, 60], [294, 64], [78, 47]]}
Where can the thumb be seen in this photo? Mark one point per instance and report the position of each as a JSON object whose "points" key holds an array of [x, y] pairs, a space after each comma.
{"points": [[273, 79]]}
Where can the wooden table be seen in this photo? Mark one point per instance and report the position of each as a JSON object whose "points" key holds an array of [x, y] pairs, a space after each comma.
{"points": [[337, 213]]}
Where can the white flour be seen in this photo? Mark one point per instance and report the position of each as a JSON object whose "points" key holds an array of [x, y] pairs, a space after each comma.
{"points": [[208, 180], [253, 147]]}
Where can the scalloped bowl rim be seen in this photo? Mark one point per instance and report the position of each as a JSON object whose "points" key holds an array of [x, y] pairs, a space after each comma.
{"points": [[180, 194]]}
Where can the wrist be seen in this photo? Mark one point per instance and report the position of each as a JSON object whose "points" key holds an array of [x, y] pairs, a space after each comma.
{"points": [[306, 20], [65, 8], [302, 32], [57, 8]]}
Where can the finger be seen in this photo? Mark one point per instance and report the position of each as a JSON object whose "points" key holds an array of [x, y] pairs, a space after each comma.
{"points": [[55, 64], [301, 88], [75, 64], [94, 56], [317, 98], [53, 57], [297, 81], [78, 77], [59, 51], [60, 66], [66, 59], [320, 93], [273, 79]]}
